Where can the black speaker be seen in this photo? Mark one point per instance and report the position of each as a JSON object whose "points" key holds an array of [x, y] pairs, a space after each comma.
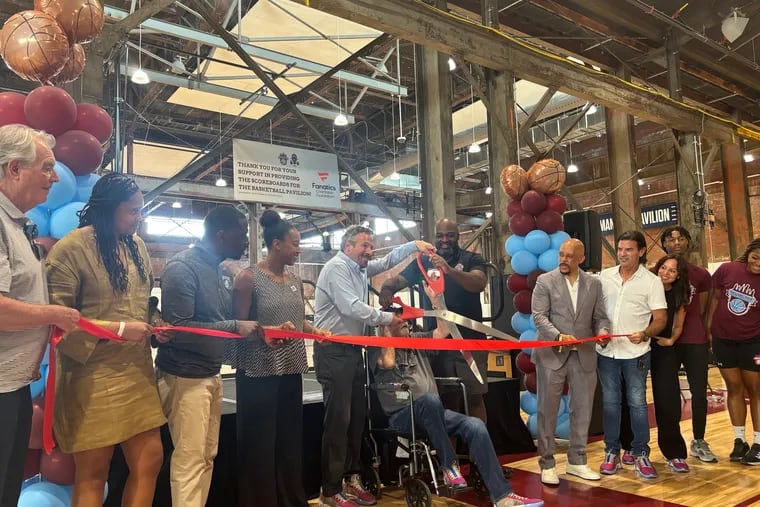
{"points": [[585, 226]]}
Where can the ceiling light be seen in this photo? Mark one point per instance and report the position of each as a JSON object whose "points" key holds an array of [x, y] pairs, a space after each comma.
{"points": [[452, 64], [641, 182], [221, 182], [387, 238], [395, 176], [733, 26], [325, 233], [341, 120], [593, 109], [489, 190], [572, 168], [489, 214], [365, 223], [178, 65], [749, 157], [474, 148], [140, 77], [176, 205]]}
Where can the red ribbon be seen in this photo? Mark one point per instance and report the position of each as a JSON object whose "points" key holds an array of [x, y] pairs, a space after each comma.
{"points": [[365, 341]]}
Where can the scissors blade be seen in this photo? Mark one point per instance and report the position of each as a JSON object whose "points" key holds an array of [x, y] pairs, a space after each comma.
{"points": [[455, 318], [454, 330]]}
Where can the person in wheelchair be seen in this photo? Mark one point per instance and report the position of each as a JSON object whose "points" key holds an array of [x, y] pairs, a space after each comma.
{"points": [[412, 367]]}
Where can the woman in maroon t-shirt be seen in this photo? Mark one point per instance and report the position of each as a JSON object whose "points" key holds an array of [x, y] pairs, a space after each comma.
{"points": [[734, 331]]}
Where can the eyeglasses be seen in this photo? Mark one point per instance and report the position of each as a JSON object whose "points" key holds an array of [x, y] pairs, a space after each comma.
{"points": [[31, 233]]}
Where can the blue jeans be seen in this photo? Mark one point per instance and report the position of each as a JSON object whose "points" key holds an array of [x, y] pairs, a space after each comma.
{"points": [[438, 423], [634, 371]]}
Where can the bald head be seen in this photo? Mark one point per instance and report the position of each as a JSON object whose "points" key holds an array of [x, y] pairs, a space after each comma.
{"points": [[571, 253], [447, 238]]}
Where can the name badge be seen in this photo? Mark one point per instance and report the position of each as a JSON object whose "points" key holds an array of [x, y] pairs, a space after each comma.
{"points": [[402, 395]]}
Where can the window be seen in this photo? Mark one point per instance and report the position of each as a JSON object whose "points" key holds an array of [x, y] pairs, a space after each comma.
{"points": [[385, 225], [175, 227]]}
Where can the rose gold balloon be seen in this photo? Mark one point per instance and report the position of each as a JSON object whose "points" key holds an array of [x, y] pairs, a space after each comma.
{"points": [[514, 181], [74, 66], [546, 176], [34, 45], [82, 20]]}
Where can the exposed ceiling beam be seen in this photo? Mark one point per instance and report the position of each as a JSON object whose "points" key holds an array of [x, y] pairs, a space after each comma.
{"points": [[420, 23], [207, 39]]}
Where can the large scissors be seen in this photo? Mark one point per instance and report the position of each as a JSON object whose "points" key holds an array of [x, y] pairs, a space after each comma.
{"points": [[435, 281]]}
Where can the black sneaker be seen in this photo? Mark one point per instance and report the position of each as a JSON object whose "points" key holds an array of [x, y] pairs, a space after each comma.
{"points": [[741, 448], [753, 456]]}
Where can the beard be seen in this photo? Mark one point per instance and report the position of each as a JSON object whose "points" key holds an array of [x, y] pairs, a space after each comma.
{"points": [[449, 254]]}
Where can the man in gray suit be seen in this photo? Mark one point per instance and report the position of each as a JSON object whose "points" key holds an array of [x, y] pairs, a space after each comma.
{"points": [[567, 304]]}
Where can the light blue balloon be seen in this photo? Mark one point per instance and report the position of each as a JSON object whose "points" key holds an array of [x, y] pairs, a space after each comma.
{"points": [[84, 186], [528, 336], [528, 402], [38, 386], [63, 191], [558, 238], [533, 425], [45, 357], [549, 259], [44, 494], [41, 218], [65, 219], [537, 242], [563, 426], [520, 322], [523, 262], [562, 409], [515, 243]]}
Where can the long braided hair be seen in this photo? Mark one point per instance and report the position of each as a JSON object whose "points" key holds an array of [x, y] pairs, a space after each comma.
{"points": [[108, 193]]}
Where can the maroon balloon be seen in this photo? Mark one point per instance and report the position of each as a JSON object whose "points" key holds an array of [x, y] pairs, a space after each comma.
{"points": [[50, 109], [530, 382], [517, 282], [522, 301], [46, 242], [35, 437], [533, 202], [32, 463], [95, 120], [556, 202], [79, 150], [522, 223], [524, 364], [12, 108], [532, 278], [58, 467], [549, 221], [513, 207], [566, 388]]}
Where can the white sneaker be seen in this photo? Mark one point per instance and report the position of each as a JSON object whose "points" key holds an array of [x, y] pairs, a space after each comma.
{"points": [[549, 476], [582, 471]]}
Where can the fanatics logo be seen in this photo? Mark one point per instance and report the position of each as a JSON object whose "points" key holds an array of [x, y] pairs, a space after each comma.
{"points": [[323, 175]]}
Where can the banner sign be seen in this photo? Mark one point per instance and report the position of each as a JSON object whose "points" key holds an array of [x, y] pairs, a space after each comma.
{"points": [[657, 215], [282, 175]]}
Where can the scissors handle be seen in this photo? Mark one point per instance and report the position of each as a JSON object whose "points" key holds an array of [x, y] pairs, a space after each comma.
{"points": [[437, 285], [408, 312]]}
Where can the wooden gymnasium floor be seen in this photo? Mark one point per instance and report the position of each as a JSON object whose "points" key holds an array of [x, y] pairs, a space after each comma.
{"points": [[722, 484]]}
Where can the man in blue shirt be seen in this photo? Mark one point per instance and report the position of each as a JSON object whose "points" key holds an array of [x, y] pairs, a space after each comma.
{"points": [[341, 307]]}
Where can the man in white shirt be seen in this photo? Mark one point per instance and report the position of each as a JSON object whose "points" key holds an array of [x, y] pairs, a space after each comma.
{"points": [[635, 302]]}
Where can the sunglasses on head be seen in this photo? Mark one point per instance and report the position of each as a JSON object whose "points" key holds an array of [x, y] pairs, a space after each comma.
{"points": [[31, 233]]}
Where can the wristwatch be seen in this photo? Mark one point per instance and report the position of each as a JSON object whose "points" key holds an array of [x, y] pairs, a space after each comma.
{"points": [[646, 337]]}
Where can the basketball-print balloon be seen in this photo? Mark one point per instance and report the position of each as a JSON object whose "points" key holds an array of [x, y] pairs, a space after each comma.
{"points": [[82, 20], [546, 176], [514, 181], [34, 46], [74, 66]]}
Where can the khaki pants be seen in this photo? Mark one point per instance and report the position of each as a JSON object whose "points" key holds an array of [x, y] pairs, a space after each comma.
{"points": [[193, 407]]}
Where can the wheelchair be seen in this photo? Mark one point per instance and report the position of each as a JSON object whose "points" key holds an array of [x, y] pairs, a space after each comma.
{"points": [[420, 475]]}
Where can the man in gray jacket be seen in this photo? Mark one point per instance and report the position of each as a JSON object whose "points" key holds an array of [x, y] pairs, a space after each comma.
{"points": [[567, 304]]}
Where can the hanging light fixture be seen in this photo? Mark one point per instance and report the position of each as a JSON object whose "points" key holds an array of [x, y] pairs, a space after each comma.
{"points": [[749, 157], [177, 205], [572, 168], [341, 120], [734, 25], [452, 64], [395, 176], [140, 76], [220, 182], [474, 147]]}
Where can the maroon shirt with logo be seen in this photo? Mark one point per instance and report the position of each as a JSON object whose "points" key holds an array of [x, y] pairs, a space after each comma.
{"points": [[737, 316], [694, 326]]}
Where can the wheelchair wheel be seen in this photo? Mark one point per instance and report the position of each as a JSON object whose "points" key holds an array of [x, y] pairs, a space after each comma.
{"points": [[371, 481], [417, 493]]}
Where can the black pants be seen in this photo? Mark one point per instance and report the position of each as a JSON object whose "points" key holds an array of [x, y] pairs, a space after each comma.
{"points": [[15, 426], [340, 370], [666, 391], [270, 437], [694, 358]]}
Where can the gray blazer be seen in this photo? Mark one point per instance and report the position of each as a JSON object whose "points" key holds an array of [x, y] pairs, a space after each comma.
{"points": [[553, 313]]}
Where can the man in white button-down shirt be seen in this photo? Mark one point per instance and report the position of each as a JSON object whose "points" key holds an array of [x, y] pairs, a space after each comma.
{"points": [[635, 302]]}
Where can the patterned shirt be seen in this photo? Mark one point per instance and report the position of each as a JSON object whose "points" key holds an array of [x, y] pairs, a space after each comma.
{"points": [[272, 303]]}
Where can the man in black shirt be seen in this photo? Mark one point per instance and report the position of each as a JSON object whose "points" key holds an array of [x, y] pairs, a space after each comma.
{"points": [[465, 275]]}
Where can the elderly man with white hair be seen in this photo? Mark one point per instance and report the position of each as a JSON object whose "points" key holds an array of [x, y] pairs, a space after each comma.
{"points": [[26, 174]]}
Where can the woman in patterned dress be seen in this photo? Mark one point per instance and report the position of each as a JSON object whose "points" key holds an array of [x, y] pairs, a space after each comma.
{"points": [[106, 390], [269, 385]]}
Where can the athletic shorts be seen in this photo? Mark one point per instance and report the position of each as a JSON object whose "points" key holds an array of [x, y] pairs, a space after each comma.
{"points": [[737, 353]]}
